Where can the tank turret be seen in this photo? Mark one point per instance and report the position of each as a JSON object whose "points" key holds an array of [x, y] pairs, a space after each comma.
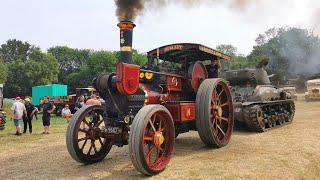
{"points": [[243, 77]]}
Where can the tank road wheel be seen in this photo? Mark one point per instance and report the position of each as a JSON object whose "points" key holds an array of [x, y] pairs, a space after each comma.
{"points": [[274, 120], [292, 109], [269, 122], [278, 120], [214, 112], [260, 119], [84, 141], [151, 140]]}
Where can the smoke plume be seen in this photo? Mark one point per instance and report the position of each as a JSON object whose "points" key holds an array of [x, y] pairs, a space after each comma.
{"points": [[130, 9], [316, 20], [296, 52]]}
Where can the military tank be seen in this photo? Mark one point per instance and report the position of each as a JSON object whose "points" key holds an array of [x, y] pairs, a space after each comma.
{"points": [[258, 104]]}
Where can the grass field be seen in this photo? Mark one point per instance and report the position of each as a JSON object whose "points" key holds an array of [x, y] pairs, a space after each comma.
{"points": [[8, 139], [289, 152]]}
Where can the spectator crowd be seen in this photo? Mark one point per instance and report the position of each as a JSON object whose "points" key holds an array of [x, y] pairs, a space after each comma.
{"points": [[24, 111]]}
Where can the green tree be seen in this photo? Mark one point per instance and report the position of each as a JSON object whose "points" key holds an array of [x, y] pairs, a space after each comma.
{"points": [[227, 49], [22, 76], [14, 49], [139, 58], [70, 60], [98, 63], [238, 61], [3, 72]]}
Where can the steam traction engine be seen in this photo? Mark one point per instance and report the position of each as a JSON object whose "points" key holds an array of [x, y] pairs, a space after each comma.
{"points": [[147, 107]]}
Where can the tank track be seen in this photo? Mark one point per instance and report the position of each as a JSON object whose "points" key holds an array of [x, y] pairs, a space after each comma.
{"points": [[260, 117]]}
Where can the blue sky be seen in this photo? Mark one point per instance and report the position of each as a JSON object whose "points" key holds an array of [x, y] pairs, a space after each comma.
{"points": [[91, 24]]}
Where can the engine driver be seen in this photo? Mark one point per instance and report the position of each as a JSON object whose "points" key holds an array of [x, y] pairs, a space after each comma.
{"points": [[213, 68]]}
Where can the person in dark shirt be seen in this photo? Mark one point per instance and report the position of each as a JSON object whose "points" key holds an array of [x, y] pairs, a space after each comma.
{"points": [[27, 120], [213, 68], [48, 108]]}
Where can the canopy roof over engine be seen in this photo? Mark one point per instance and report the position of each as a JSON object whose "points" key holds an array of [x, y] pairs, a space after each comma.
{"points": [[187, 51]]}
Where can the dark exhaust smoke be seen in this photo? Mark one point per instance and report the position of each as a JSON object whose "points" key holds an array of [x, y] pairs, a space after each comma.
{"points": [[128, 10]]}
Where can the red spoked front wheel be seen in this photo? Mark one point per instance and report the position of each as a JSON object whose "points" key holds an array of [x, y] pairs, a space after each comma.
{"points": [[151, 139], [214, 112]]}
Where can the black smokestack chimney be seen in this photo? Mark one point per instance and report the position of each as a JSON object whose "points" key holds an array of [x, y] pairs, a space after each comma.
{"points": [[126, 28]]}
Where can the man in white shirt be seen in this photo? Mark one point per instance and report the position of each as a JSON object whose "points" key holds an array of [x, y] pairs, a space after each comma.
{"points": [[19, 110], [66, 113]]}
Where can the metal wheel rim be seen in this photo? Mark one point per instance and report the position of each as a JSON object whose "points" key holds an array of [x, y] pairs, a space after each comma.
{"points": [[221, 126], [88, 134], [157, 157]]}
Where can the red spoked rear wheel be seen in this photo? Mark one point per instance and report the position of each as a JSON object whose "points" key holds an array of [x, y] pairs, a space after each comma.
{"points": [[151, 139], [214, 112]]}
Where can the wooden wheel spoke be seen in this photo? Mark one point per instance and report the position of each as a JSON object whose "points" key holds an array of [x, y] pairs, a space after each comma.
{"points": [[161, 149], [217, 98], [152, 125], [214, 120], [224, 134], [213, 100], [86, 122], [160, 126], [82, 139], [224, 104], [98, 123], [94, 146], [154, 118], [221, 93], [225, 119], [100, 141], [83, 130], [146, 138], [150, 152], [88, 153], [215, 131], [213, 125], [84, 144]]}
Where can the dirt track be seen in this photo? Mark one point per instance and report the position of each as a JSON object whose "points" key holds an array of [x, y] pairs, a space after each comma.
{"points": [[289, 152]]}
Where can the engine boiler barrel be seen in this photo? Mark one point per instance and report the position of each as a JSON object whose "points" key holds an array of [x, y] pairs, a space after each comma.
{"points": [[104, 82], [126, 30]]}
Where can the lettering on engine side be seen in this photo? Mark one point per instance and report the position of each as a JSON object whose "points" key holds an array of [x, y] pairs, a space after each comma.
{"points": [[172, 48]]}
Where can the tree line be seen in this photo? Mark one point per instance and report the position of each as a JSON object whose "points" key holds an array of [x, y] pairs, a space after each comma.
{"points": [[24, 65], [291, 51]]}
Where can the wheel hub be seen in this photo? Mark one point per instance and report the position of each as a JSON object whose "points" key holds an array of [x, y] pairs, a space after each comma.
{"points": [[93, 133], [218, 110], [158, 139]]}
